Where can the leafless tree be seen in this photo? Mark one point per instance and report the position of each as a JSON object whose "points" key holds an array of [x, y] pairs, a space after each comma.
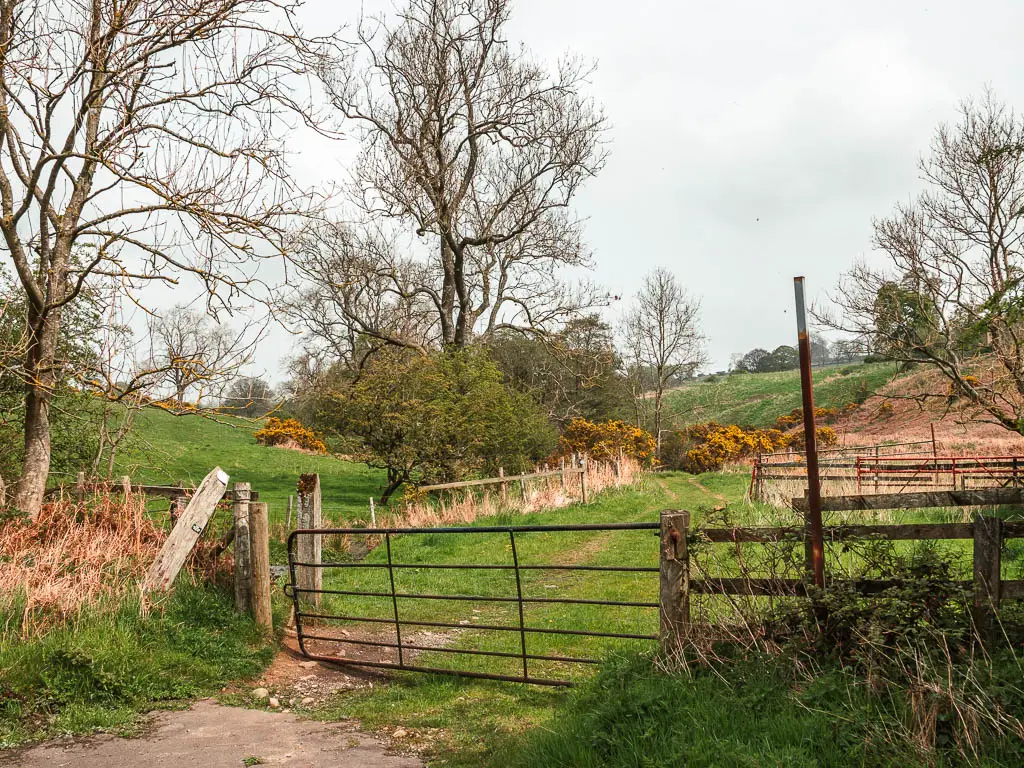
{"points": [[479, 150], [194, 356], [948, 293], [662, 338], [140, 140]]}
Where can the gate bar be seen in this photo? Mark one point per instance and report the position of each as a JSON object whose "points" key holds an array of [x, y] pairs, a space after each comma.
{"points": [[519, 594], [394, 599], [477, 598]]}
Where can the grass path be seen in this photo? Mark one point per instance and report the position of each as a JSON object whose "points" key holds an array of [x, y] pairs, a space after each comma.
{"points": [[475, 717]]}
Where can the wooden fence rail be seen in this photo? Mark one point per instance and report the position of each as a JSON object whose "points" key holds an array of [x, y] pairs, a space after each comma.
{"points": [[503, 480], [987, 587]]}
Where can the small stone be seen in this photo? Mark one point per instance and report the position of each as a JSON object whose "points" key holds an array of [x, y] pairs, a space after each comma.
{"points": [[400, 733], [309, 664], [260, 693], [274, 703], [307, 701]]}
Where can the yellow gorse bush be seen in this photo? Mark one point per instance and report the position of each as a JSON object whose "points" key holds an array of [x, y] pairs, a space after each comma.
{"points": [[286, 431], [603, 441]]}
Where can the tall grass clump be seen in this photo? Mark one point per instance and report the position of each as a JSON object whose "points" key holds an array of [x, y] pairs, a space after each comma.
{"points": [[74, 555]]}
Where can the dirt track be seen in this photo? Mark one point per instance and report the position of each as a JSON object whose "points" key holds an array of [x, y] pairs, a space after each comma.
{"points": [[214, 736]]}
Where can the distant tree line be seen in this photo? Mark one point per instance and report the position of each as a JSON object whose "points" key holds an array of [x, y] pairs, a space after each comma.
{"points": [[787, 358]]}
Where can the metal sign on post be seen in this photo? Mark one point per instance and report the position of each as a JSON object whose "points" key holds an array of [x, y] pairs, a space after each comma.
{"points": [[813, 477]]}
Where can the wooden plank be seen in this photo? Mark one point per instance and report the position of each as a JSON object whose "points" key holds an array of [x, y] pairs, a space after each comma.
{"points": [[186, 532], [1011, 589], [919, 500], [259, 526], [674, 579], [491, 480], [911, 531], [786, 587], [243, 548]]}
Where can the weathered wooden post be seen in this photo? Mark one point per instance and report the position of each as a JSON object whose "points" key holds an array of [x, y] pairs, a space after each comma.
{"points": [[561, 477], [240, 507], [503, 486], [288, 518], [126, 486], [185, 535], [80, 486], [259, 526], [988, 535], [674, 591], [309, 547], [583, 479], [522, 486]]}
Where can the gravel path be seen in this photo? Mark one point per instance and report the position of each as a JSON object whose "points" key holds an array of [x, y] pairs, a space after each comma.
{"points": [[215, 736]]}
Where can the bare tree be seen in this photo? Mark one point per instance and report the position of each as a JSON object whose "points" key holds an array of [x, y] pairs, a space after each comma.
{"points": [[477, 149], [662, 338], [193, 355], [949, 293], [140, 140]]}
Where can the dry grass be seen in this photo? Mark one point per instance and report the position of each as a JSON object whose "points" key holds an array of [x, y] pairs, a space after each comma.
{"points": [[74, 555], [465, 506]]}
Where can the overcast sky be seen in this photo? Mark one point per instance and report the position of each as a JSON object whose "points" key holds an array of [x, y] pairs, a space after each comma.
{"points": [[752, 141]]}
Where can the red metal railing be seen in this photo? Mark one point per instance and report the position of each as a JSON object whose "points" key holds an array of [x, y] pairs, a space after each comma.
{"points": [[905, 471]]}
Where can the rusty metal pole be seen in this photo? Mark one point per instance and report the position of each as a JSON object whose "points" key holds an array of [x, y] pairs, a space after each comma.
{"points": [[813, 477]]}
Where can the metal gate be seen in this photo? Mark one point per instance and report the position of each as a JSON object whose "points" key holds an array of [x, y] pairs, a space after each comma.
{"points": [[325, 616]]}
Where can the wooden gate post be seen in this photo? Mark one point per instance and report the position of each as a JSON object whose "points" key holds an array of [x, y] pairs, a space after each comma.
{"points": [[309, 547], [988, 534], [674, 591], [259, 526], [240, 507]]}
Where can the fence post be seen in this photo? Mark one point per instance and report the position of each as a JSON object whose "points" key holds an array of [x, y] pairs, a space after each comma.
{"points": [[288, 518], [80, 486], [243, 547], [583, 479], [522, 486], [309, 547], [503, 486], [561, 477], [876, 469], [674, 590], [259, 527], [988, 534], [126, 486]]}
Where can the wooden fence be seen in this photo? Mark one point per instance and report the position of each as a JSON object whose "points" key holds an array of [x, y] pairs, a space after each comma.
{"points": [[896, 472], [987, 587], [503, 480]]}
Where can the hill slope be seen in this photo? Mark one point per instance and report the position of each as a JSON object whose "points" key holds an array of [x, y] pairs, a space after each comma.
{"points": [[169, 448], [757, 399]]}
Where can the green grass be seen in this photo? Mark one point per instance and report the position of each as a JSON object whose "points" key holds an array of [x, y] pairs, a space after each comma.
{"points": [[101, 671], [757, 399], [167, 448], [751, 712]]}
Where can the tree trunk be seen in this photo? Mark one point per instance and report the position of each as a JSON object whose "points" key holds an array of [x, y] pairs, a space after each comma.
{"points": [[395, 479], [40, 379]]}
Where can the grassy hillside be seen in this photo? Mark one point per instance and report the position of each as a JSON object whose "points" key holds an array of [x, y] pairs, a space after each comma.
{"points": [[169, 448], [757, 399]]}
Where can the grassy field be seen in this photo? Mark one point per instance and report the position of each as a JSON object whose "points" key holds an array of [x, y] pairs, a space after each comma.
{"points": [[757, 399], [166, 449]]}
